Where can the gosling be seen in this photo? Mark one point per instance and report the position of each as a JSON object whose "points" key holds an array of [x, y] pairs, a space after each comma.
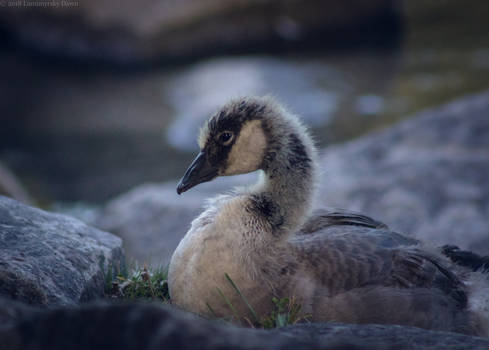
{"points": [[338, 266]]}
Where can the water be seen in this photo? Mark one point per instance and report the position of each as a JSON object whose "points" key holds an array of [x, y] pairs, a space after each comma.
{"points": [[89, 135]]}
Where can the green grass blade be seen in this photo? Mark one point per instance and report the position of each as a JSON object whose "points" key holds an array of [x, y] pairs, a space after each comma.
{"points": [[211, 310], [228, 302], [281, 320], [253, 313]]}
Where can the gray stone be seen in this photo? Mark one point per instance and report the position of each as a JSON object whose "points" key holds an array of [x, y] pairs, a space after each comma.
{"points": [[50, 259], [11, 186], [427, 176], [150, 326], [375, 336]]}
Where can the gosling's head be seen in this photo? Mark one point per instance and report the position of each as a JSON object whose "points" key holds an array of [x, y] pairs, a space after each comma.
{"points": [[243, 136], [247, 135]]}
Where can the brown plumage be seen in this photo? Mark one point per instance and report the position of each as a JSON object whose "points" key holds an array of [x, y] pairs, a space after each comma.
{"points": [[339, 266]]}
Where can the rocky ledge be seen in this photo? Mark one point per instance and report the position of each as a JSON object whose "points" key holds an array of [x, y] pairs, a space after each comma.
{"points": [[50, 259], [151, 326]]}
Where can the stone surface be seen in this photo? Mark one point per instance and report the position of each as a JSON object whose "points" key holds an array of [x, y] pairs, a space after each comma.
{"points": [[426, 176], [149, 326], [11, 186], [49, 259], [382, 337], [127, 31]]}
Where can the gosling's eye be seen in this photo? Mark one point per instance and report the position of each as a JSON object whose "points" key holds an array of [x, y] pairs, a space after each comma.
{"points": [[225, 138]]}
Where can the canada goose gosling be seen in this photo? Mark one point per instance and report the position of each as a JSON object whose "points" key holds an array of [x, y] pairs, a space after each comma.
{"points": [[339, 266]]}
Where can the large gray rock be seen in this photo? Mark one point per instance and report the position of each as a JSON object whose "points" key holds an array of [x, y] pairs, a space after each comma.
{"points": [[50, 259], [427, 176], [148, 327], [128, 31], [375, 336]]}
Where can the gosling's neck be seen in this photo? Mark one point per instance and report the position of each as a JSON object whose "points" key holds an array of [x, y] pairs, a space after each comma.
{"points": [[284, 195]]}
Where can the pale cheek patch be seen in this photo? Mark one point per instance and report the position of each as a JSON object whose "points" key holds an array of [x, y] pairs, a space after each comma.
{"points": [[203, 135], [247, 153]]}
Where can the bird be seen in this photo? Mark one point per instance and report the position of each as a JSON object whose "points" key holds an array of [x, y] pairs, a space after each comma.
{"points": [[270, 241]]}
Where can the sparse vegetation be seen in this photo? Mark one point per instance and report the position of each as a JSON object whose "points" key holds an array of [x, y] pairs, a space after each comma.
{"points": [[145, 283], [285, 312], [140, 283]]}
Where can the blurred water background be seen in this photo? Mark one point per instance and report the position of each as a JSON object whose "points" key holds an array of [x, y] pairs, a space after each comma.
{"points": [[81, 128]]}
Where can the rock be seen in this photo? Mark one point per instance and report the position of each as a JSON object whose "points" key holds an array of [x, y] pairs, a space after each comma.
{"points": [[149, 326], [10, 186], [12, 312], [381, 337], [126, 32], [50, 259], [426, 176], [150, 220]]}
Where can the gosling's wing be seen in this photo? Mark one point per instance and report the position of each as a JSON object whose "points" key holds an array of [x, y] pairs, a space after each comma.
{"points": [[415, 269], [465, 258], [345, 251], [323, 218], [343, 257], [360, 227]]}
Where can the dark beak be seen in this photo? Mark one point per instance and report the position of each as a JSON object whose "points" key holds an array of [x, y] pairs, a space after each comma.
{"points": [[199, 171]]}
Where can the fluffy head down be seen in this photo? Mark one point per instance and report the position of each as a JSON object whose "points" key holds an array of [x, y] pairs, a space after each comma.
{"points": [[247, 134]]}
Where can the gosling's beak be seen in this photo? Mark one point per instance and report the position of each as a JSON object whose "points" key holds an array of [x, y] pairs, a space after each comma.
{"points": [[199, 171]]}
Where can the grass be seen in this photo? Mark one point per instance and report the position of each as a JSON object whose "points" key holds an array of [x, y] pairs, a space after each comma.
{"points": [[138, 283], [150, 283], [285, 311], [237, 290]]}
